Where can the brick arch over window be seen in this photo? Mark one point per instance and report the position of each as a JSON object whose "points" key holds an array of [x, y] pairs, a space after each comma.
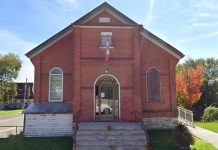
{"points": [[153, 85]]}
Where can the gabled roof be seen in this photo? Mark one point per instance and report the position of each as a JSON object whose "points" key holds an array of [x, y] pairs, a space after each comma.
{"points": [[109, 8], [127, 21], [164, 45], [68, 29], [45, 108], [49, 41]]}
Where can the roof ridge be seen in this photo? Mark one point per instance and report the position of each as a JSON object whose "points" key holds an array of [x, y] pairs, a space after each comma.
{"points": [[104, 5]]}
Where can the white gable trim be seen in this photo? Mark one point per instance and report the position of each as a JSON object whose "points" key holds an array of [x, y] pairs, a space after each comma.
{"points": [[109, 11], [160, 45], [51, 43], [116, 16]]}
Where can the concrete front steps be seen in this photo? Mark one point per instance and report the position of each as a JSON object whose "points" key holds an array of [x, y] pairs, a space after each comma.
{"points": [[110, 136]]}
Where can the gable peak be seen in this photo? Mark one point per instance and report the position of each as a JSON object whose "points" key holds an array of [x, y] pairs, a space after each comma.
{"points": [[108, 8]]}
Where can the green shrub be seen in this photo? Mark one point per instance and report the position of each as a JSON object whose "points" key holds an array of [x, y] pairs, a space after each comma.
{"points": [[210, 114], [182, 136]]}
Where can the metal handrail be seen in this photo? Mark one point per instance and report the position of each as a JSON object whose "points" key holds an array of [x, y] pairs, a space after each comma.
{"points": [[188, 120], [12, 127], [77, 120], [185, 109], [139, 118]]}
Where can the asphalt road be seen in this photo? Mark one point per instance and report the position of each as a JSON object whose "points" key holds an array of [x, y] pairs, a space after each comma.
{"points": [[10, 120]]}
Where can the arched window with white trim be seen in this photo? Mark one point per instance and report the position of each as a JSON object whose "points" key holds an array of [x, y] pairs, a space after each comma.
{"points": [[56, 85], [153, 85]]}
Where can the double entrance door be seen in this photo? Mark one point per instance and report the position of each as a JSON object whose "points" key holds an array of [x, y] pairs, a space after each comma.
{"points": [[106, 99]]}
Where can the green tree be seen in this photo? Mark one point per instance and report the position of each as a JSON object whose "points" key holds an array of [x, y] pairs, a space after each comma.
{"points": [[209, 87], [188, 87], [8, 92], [10, 65], [210, 66]]}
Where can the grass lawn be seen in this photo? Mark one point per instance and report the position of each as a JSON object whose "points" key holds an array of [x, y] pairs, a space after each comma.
{"points": [[202, 145], [9, 112], [212, 126], [163, 140], [20, 143]]}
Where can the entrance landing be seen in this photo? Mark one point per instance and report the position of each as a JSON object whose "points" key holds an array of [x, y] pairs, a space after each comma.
{"points": [[110, 135]]}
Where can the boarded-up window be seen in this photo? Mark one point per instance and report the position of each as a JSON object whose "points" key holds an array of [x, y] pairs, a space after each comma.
{"points": [[104, 20], [56, 85], [153, 85]]}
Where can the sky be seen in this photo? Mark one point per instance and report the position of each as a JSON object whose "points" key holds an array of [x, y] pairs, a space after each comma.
{"points": [[191, 26]]}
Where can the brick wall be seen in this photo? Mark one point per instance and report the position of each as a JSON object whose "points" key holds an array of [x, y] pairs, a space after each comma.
{"points": [[82, 61]]}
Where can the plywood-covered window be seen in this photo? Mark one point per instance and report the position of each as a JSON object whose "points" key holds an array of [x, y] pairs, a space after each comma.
{"points": [[153, 85], [56, 85]]}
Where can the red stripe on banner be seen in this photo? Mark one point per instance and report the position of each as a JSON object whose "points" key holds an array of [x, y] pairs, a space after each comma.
{"points": [[107, 55]]}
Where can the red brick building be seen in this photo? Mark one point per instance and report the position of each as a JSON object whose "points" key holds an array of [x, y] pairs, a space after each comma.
{"points": [[137, 81]]}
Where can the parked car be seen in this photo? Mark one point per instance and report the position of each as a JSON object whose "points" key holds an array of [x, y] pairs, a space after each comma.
{"points": [[13, 106], [105, 108]]}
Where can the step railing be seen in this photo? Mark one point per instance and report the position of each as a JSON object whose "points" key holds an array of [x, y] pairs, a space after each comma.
{"points": [[139, 118], [77, 120], [185, 116], [10, 130]]}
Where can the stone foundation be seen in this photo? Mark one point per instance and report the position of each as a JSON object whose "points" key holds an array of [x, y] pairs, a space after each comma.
{"points": [[160, 123]]}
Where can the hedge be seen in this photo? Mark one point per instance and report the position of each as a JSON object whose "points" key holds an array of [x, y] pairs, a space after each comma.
{"points": [[210, 114]]}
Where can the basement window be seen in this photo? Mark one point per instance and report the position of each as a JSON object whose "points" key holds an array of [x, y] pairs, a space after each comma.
{"points": [[106, 38]]}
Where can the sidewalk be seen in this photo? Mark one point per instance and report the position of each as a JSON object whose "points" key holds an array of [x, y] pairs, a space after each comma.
{"points": [[209, 136]]}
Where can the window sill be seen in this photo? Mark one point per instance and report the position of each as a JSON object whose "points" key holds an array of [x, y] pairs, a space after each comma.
{"points": [[54, 101], [160, 101], [104, 47]]}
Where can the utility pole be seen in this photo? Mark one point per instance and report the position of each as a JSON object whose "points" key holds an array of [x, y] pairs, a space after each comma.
{"points": [[24, 97]]}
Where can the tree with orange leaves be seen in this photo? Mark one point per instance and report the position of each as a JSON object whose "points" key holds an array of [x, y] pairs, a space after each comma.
{"points": [[188, 84]]}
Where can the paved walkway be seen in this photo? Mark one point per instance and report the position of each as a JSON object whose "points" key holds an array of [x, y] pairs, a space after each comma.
{"points": [[209, 136], [10, 120]]}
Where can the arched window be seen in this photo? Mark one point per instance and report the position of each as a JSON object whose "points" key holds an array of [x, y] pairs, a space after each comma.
{"points": [[56, 85], [153, 85]]}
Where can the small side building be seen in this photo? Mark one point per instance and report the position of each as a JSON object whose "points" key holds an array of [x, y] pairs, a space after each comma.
{"points": [[48, 120]]}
